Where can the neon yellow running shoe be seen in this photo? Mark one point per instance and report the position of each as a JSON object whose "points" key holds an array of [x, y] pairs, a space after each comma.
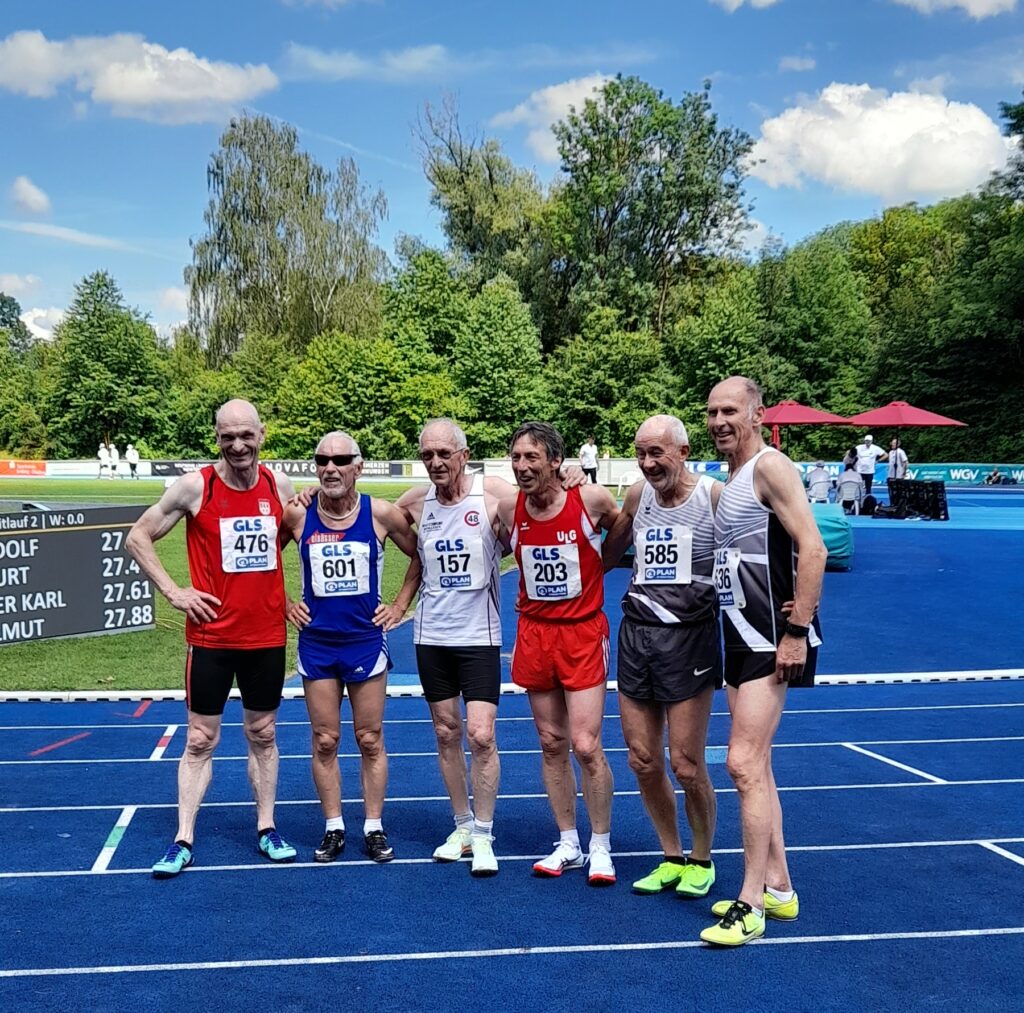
{"points": [[740, 925], [780, 910], [663, 878], [695, 880]]}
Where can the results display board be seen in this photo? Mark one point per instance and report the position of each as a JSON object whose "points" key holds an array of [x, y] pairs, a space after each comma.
{"points": [[67, 573]]}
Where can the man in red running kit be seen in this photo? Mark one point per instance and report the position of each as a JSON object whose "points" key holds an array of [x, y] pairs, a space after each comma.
{"points": [[235, 616], [561, 650]]}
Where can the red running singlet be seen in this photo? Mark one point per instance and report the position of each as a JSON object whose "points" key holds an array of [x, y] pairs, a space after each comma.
{"points": [[234, 552], [561, 578]]}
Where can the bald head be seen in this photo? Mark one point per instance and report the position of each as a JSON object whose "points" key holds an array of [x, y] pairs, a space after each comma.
{"points": [[740, 388], [667, 427], [445, 430], [237, 412]]}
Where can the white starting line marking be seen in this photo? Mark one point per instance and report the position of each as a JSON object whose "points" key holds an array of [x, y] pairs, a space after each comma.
{"points": [[895, 763], [163, 743], [511, 951], [113, 840], [1002, 852]]}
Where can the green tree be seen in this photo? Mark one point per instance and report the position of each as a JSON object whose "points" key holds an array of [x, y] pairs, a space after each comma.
{"points": [[261, 363], [108, 375], [18, 337], [289, 246]]}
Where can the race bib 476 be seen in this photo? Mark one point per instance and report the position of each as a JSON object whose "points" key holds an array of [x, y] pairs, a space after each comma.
{"points": [[248, 544]]}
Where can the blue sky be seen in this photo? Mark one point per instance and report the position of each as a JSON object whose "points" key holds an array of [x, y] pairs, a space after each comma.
{"points": [[112, 108]]}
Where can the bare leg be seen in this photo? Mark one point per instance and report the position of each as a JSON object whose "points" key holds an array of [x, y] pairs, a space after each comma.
{"points": [[447, 718], [480, 718], [367, 700], [643, 727], [778, 868], [586, 715], [756, 709], [195, 770], [687, 738], [323, 701], [259, 729], [552, 722]]}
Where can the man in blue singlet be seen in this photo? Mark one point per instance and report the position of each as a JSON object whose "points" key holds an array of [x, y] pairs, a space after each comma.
{"points": [[341, 544]]}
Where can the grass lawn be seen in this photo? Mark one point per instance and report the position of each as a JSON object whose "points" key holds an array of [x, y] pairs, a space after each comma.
{"points": [[152, 659]]}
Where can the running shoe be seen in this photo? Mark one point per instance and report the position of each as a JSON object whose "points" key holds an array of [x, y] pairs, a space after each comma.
{"points": [[177, 858], [484, 862], [377, 847], [663, 878], [457, 845], [780, 910], [602, 872], [739, 926], [273, 846], [565, 856], [331, 846], [695, 880]]}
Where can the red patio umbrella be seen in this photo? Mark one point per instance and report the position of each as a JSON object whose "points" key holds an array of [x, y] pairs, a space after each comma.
{"points": [[898, 414], [792, 413]]}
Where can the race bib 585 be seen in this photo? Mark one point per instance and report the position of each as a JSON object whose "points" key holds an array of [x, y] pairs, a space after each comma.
{"points": [[664, 555]]}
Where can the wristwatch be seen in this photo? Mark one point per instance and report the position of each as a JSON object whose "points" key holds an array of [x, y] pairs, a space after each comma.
{"points": [[792, 630]]}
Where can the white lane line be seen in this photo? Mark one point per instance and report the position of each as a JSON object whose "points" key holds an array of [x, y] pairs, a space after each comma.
{"points": [[989, 845], [163, 742], [426, 721], [509, 951], [895, 763], [113, 840], [349, 863], [431, 754], [99, 807]]}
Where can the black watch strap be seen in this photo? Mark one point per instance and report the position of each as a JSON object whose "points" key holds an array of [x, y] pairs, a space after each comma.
{"points": [[792, 630]]}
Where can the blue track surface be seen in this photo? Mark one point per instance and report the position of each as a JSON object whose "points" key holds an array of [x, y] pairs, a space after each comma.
{"points": [[904, 809]]}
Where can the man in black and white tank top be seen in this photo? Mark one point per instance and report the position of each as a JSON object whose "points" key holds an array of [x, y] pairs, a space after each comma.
{"points": [[669, 656], [763, 526]]}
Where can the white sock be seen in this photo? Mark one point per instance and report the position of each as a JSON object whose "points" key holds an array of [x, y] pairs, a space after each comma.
{"points": [[603, 840], [464, 819], [783, 896], [336, 823], [759, 912], [370, 825], [483, 828], [570, 837]]}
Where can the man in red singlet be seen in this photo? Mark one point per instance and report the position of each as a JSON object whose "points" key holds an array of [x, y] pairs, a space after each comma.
{"points": [[561, 651], [235, 616]]}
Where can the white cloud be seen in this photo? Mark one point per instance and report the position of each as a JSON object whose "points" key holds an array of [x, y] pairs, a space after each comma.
{"points": [[41, 322], [18, 284], [989, 65], [977, 9], [546, 107], [898, 146], [797, 63], [135, 78], [734, 5], [66, 235], [28, 198], [174, 299], [416, 62]]}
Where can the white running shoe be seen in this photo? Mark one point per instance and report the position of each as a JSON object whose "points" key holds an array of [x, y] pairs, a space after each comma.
{"points": [[457, 845], [565, 856], [484, 862], [602, 872]]}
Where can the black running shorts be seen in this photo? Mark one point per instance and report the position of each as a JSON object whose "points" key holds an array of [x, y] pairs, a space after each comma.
{"points": [[668, 663], [210, 672], [474, 673], [748, 666]]}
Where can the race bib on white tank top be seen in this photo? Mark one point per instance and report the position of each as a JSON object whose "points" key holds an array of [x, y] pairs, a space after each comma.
{"points": [[248, 544], [455, 564], [727, 579], [339, 568], [664, 555], [552, 572]]}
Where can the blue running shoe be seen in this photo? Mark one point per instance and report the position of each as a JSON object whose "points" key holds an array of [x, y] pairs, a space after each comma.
{"points": [[274, 847], [177, 858]]}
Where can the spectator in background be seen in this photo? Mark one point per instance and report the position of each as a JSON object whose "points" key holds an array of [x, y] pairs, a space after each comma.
{"points": [[131, 455], [588, 459], [850, 459], [868, 455], [115, 458], [104, 455], [897, 459], [850, 488], [818, 482]]}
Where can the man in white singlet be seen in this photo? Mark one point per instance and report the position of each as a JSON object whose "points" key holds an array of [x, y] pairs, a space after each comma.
{"points": [[670, 653], [769, 563]]}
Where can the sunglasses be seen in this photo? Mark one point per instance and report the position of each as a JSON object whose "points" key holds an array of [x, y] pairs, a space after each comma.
{"points": [[338, 460]]}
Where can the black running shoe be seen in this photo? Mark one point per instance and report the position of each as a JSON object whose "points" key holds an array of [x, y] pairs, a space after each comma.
{"points": [[377, 847], [331, 846]]}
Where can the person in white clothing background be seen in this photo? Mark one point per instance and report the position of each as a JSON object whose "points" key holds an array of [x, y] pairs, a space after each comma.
{"points": [[897, 459], [868, 455], [588, 459]]}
